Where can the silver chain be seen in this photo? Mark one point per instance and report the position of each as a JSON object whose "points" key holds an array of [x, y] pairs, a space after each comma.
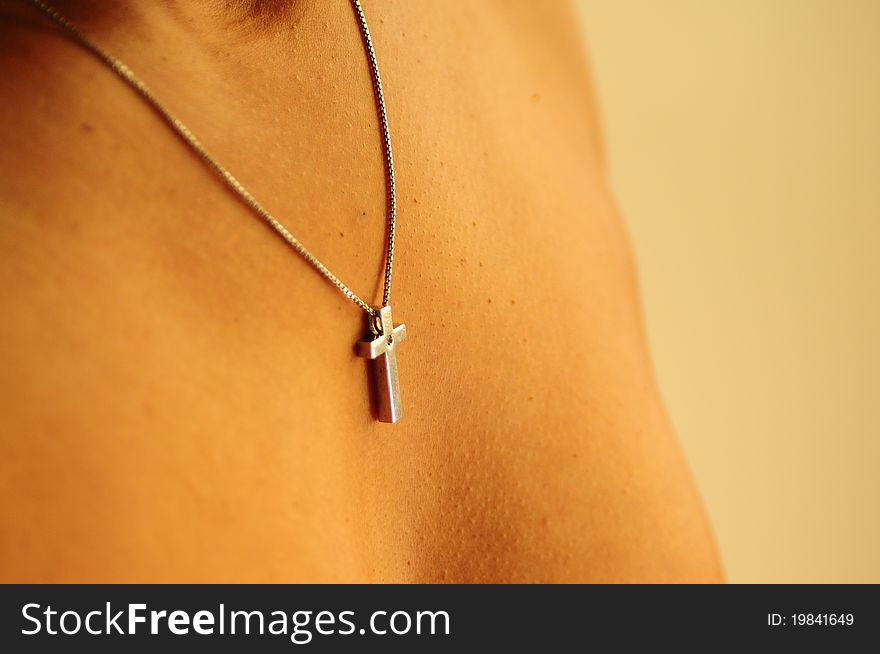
{"points": [[229, 179]]}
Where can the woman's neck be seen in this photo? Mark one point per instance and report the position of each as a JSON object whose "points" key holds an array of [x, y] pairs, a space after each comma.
{"points": [[231, 22]]}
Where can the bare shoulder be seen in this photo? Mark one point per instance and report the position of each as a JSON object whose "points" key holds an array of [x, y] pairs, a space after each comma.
{"points": [[166, 345]]}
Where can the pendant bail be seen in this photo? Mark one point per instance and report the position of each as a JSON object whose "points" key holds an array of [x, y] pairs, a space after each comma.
{"points": [[376, 323]]}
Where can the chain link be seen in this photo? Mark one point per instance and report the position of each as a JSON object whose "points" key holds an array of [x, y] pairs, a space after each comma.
{"points": [[232, 182], [391, 192]]}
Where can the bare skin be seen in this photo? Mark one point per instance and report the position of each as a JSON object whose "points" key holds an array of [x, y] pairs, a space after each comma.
{"points": [[179, 392]]}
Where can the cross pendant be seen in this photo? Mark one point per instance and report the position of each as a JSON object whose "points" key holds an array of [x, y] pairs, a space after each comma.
{"points": [[382, 350]]}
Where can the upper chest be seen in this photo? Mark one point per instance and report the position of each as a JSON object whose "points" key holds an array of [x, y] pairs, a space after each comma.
{"points": [[173, 335]]}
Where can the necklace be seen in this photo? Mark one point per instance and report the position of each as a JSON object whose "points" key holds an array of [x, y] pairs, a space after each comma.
{"points": [[381, 349]]}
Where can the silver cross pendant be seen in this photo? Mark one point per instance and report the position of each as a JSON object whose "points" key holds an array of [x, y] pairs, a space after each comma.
{"points": [[382, 351]]}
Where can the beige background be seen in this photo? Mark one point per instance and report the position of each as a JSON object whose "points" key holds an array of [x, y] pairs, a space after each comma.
{"points": [[743, 138]]}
